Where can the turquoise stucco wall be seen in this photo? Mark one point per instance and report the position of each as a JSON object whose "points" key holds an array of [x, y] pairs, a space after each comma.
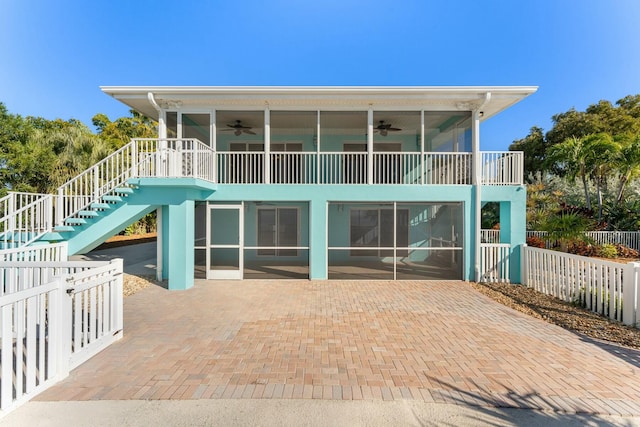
{"points": [[513, 221], [177, 244]]}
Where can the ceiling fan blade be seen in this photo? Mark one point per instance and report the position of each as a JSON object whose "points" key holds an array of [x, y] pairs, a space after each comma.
{"points": [[246, 130], [226, 130], [394, 129]]}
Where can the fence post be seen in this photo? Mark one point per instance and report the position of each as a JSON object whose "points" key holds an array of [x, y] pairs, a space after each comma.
{"points": [[134, 158], [96, 183], [6, 392], [117, 315], [59, 207], [630, 293], [64, 324], [523, 265]]}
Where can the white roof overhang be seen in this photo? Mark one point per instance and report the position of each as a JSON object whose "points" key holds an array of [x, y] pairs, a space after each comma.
{"points": [[381, 98]]}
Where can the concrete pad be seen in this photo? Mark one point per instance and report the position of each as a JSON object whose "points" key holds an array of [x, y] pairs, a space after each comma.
{"points": [[297, 412], [138, 259]]}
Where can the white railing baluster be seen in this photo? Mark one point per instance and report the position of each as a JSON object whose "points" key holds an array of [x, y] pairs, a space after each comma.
{"points": [[494, 262]]}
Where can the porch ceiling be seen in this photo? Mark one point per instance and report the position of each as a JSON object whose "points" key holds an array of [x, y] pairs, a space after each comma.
{"points": [[390, 98]]}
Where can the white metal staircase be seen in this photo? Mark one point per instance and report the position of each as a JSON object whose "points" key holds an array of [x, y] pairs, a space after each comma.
{"points": [[27, 217]]}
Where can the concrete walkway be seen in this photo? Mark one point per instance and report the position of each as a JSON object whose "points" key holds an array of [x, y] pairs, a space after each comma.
{"points": [[291, 412]]}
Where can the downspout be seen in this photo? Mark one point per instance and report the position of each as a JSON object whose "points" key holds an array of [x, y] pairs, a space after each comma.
{"points": [[162, 134], [477, 180]]}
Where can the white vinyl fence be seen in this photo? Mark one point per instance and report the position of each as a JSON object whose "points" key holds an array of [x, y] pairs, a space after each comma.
{"points": [[494, 262], [50, 252], [53, 317], [630, 239], [605, 287]]}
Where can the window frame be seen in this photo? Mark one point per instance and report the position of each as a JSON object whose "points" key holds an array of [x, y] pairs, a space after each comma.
{"points": [[276, 251]]}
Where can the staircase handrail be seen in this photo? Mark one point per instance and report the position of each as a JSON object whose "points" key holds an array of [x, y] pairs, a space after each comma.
{"points": [[28, 223], [15, 200], [141, 157], [83, 189]]}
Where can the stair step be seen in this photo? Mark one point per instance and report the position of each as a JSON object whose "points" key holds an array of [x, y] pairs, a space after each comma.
{"points": [[91, 214], [111, 198], [63, 228], [100, 205], [124, 190], [75, 221]]}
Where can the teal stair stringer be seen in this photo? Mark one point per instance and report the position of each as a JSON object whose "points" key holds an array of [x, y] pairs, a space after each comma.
{"points": [[124, 206], [101, 220], [108, 223]]}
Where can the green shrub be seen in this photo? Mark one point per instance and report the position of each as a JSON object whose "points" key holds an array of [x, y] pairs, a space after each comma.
{"points": [[608, 251]]}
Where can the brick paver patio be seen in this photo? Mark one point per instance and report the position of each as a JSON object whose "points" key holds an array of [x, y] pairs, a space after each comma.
{"points": [[430, 341]]}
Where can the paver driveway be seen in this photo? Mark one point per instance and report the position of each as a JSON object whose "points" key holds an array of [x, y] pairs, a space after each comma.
{"points": [[431, 341]]}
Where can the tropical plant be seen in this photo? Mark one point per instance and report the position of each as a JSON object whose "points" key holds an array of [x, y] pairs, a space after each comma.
{"points": [[574, 160], [601, 154], [608, 250], [567, 227], [627, 162]]}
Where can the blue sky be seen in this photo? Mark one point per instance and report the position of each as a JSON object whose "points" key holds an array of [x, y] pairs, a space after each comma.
{"points": [[54, 55]]}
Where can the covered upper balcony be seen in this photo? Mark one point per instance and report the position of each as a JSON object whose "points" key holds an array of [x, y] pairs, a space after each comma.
{"points": [[321, 135]]}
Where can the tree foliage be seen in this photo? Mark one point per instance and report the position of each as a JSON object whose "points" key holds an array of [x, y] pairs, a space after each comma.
{"points": [[38, 155], [601, 117], [119, 132], [599, 148]]}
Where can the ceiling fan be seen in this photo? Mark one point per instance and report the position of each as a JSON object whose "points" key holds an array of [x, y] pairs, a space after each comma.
{"points": [[384, 128], [238, 128]]}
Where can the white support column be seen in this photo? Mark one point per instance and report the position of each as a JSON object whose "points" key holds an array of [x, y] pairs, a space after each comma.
{"points": [[318, 161], [267, 144], [214, 144], [476, 177], [423, 169], [370, 145], [162, 124], [162, 135]]}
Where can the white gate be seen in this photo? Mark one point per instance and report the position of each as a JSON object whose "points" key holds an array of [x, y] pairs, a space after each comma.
{"points": [[53, 317]]}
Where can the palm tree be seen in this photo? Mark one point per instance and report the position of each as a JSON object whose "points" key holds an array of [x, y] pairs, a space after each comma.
{"points": [[566, 228], [601, 153], [627, 163], [78, 148], [573, 157]]}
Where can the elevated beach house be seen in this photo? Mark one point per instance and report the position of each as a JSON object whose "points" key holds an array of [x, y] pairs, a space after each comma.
{"points": [[306, 182]]}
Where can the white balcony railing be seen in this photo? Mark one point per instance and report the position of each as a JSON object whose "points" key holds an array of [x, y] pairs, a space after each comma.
{"points": [[502, 168], [498, 168]]}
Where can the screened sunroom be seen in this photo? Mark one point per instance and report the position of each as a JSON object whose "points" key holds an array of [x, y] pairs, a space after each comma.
{"points": [[332, 147], [251, 240], [395, 241]]}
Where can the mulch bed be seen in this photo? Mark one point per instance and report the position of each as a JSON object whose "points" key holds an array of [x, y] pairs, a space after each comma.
{"points": [[553, 310]]}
